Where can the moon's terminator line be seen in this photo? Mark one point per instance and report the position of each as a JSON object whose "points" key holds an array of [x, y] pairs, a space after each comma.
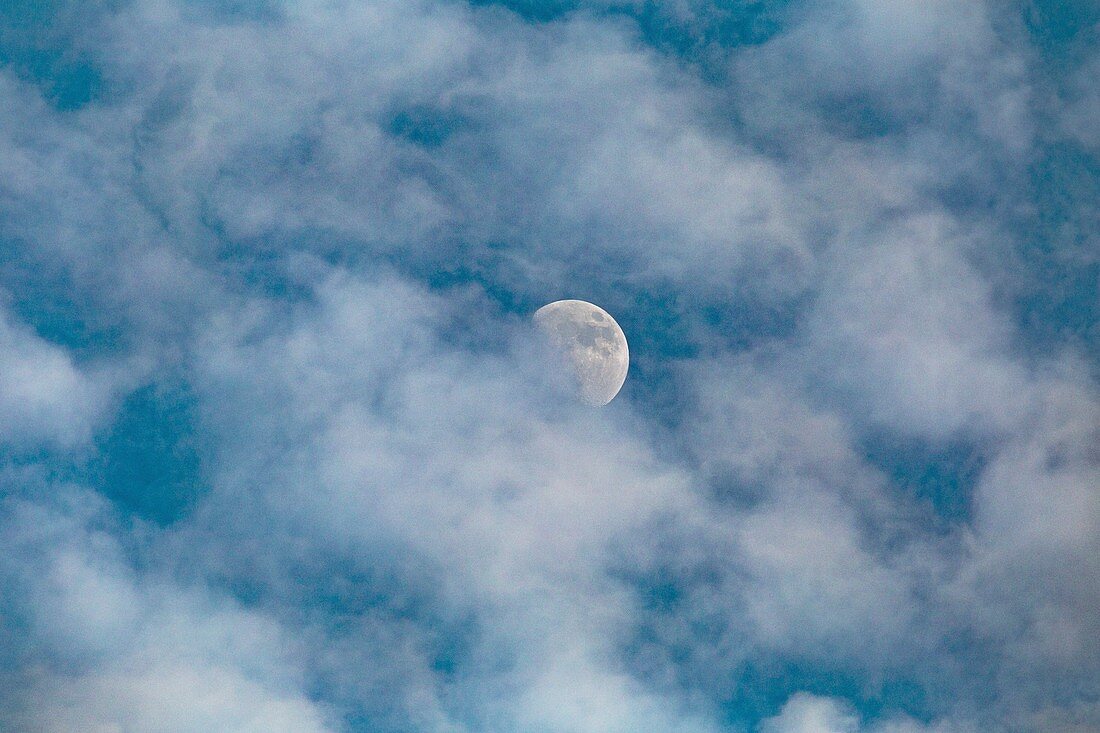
{"points": [[592, 345]]}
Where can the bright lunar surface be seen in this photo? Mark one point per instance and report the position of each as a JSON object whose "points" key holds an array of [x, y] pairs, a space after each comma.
{"points": [[592, 345]]}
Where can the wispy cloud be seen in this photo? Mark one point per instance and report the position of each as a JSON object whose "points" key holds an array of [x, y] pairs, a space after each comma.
{"points": [[285, 252]]}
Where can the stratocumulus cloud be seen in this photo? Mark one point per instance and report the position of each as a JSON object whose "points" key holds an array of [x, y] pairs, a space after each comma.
{"points": [[278, 454]]}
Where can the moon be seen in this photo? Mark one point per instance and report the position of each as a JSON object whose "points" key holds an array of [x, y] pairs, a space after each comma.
{"points": [[592, 345]]}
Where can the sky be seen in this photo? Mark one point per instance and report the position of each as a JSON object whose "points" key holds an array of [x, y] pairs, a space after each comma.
{"points": [[277, 452]]}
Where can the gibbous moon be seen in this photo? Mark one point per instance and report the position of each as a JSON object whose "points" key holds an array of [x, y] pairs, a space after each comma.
{"points": [[592, 345]]}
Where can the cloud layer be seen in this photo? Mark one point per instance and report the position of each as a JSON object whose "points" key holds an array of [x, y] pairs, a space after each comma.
{"points": [[279, 453]]}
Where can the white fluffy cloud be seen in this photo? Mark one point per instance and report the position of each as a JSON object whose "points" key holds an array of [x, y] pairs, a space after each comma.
{"points": [[328, 221], [454, 469], [117, 649], [44, 395], [806, 713], [810, 714]]}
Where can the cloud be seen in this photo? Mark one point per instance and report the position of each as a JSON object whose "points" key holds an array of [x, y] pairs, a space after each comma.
{"points": [[809, 714], [915, 321], [806, 713], [318, 229], [173, 699], [106, 646], [385, 452], [1084, 104], [44, 395]]}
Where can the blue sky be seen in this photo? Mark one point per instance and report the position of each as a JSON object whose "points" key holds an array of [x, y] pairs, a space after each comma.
{"points": [[276, 453]]}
